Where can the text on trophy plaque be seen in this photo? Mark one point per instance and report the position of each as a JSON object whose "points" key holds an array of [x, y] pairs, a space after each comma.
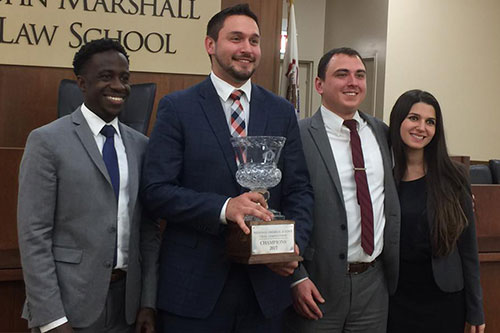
{"points": [[273, 238]]}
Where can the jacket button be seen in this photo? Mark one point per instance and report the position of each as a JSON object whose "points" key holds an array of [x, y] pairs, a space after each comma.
{"points": [[111, 229], [107, 264], [342, 256], [343, 227]]}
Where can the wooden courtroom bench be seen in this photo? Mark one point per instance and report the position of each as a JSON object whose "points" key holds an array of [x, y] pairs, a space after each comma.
{"points": [[11, 277], [487, 211]]}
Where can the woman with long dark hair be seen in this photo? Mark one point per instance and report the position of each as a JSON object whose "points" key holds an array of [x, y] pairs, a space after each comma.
{"points": [[438, 288]]}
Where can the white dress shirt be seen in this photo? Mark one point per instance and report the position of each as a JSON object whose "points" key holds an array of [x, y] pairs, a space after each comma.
{"points": [[123, 219], [224, 90], [339, 137]]}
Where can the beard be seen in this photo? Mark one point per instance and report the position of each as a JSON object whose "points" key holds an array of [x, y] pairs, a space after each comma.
{"points": [[239, 75], [233, 72]]}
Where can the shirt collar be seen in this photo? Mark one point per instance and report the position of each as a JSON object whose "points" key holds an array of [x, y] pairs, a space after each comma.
{"points": [[96, 123], [224, 89], [335, 123]]}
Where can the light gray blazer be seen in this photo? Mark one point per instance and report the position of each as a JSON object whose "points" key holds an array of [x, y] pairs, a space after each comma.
{"points": [[67, 215], [325, 259]]}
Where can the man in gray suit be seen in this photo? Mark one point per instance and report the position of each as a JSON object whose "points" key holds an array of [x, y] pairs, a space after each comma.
{"points": [[343, 285], [89, 258]]}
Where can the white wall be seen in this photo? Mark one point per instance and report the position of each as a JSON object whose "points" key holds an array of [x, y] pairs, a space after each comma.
{"points": [[450, 48], [362, 25], [310, 20]]}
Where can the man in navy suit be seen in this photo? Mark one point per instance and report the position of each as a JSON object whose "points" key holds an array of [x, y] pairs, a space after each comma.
{"points": [[189, 180]]}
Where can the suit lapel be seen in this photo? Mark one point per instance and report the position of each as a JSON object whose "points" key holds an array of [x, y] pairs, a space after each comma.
{"points": [[320, 138], [381, 138], [258, 114], [211, 106], [133, 169], [86, 137], [392, 224]]}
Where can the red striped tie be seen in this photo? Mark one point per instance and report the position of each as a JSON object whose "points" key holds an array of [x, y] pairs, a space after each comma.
{"points": [[237, 120], [362, 191]]}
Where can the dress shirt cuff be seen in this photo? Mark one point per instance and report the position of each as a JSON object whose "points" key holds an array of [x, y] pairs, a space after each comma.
{"points": [[298, 281], [223, 212], [54, 324]]}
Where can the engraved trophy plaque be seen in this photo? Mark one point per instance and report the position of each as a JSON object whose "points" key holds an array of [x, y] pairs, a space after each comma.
{"points": [[268, 242]]}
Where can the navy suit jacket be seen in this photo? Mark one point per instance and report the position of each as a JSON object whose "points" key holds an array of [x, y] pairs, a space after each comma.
{"points": [[189, 173]]}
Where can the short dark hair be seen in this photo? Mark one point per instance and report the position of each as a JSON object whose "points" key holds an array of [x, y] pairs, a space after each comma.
{"points": [[217, 21], [96, 46], [325, 59]]}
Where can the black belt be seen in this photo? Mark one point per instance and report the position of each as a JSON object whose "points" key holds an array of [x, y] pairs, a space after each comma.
{"points": [[117, 275], [359, 267]]}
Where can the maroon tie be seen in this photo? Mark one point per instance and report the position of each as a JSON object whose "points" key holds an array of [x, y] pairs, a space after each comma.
{"points": [[362, 191]]}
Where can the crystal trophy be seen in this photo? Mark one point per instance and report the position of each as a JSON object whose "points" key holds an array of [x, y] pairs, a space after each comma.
{"points": [[268, 242]]}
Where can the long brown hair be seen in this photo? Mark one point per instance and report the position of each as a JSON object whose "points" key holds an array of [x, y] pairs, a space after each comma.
{"points": [[446, 181]]}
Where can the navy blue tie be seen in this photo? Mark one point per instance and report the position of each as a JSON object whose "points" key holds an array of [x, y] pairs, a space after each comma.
{"points": [[111, 161], [110, 158]]}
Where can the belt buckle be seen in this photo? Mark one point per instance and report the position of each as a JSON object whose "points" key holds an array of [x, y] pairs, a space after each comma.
{"points": [[363, 267], [117, 275], [349, 268]]}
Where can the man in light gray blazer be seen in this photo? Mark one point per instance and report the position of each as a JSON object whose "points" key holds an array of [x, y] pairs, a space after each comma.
{"points": [[89, 258], [341, 286]]}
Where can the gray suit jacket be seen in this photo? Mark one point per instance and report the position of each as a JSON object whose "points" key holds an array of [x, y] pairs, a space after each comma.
{"points": [[67, 215], [325, 260]]}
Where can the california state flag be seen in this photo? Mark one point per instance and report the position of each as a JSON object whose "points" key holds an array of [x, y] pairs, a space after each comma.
{"points": [[290, 72]]}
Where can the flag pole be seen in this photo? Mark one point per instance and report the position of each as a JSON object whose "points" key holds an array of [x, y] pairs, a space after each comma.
{"points": [[290, 70]]}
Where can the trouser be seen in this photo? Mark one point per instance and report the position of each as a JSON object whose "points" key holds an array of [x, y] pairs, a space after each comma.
{"points": [[361, 308]]}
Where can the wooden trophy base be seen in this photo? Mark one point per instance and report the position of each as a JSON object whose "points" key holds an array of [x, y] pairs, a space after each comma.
{"points": [[268, 242]]}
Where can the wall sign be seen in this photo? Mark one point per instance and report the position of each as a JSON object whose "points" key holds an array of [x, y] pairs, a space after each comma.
{"points": [[159, 35]]}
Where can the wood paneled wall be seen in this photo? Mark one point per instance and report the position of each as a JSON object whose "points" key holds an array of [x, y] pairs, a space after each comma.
{"points": [[487, 211], [28, 99]]}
